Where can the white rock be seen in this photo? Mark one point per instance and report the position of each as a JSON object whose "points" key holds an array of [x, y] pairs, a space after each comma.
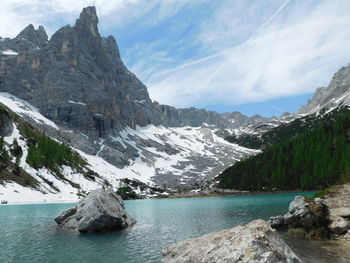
{"points": [[256, 242], [298, 207]]}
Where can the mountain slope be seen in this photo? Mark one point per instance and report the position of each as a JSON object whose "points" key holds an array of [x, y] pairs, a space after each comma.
{"points": [[316, 158], [168, 157], [310, 150]]}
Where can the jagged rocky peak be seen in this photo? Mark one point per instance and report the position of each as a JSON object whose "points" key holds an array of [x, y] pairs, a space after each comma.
{"points": [[88, 15], [27, 40], [337, 93], [87, 22], [37, 36]]}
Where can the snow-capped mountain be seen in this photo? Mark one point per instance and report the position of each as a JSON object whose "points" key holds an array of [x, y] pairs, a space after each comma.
{"points": [[168, 157]]}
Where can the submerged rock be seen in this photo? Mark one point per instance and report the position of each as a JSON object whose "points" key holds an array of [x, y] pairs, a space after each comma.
{"points": [[255, 242], [101, 211]]}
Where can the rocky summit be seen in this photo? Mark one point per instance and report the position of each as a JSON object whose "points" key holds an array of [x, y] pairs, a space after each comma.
{"points": [[101, 211]]}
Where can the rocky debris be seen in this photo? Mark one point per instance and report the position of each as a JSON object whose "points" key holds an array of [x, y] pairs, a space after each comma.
{"points": [[135, 189], [255, 242], [338, 203], [101, 211]]}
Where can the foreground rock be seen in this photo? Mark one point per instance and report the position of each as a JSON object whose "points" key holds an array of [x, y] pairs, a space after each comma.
{"points": [[302, 213], [101, 211], [318, 218], [254, 243]]}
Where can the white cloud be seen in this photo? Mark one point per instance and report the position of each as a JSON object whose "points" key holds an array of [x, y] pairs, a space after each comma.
{"points": [[291, 56], [16, 14]]}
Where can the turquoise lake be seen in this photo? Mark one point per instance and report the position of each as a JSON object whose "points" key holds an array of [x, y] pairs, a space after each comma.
{"points": [[28, 233]]}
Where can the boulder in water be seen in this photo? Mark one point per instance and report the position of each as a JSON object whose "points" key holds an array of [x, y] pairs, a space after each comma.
{"points": [[101, 211]]}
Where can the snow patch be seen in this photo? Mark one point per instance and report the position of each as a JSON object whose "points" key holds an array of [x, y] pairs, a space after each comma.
{"points": [[24, 109], [9, 52], [77, 102]]}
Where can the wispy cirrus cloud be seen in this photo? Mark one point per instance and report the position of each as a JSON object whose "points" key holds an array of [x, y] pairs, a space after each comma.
{"points": [[296, 52]]}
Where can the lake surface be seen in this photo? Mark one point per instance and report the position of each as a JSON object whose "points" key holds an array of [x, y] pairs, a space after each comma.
{"points": [[28, 233]]}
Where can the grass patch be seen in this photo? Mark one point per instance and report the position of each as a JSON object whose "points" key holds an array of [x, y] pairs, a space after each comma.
{"points": [[325, 191]]}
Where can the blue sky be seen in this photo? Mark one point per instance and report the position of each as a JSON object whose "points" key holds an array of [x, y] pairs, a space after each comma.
{"points": [[262, 56]]}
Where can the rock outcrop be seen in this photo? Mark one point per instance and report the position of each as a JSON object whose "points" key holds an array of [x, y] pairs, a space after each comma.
{"points": [[253, 243], [101, 211], [326, 217], [305, 214]]}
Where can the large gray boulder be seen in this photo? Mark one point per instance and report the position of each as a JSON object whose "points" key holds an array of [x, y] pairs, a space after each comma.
{"points": [[302, 213], [256, 242], [101, 211]]}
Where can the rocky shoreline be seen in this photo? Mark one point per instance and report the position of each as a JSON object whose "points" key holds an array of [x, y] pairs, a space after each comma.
{"points": [[320, 218]]}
